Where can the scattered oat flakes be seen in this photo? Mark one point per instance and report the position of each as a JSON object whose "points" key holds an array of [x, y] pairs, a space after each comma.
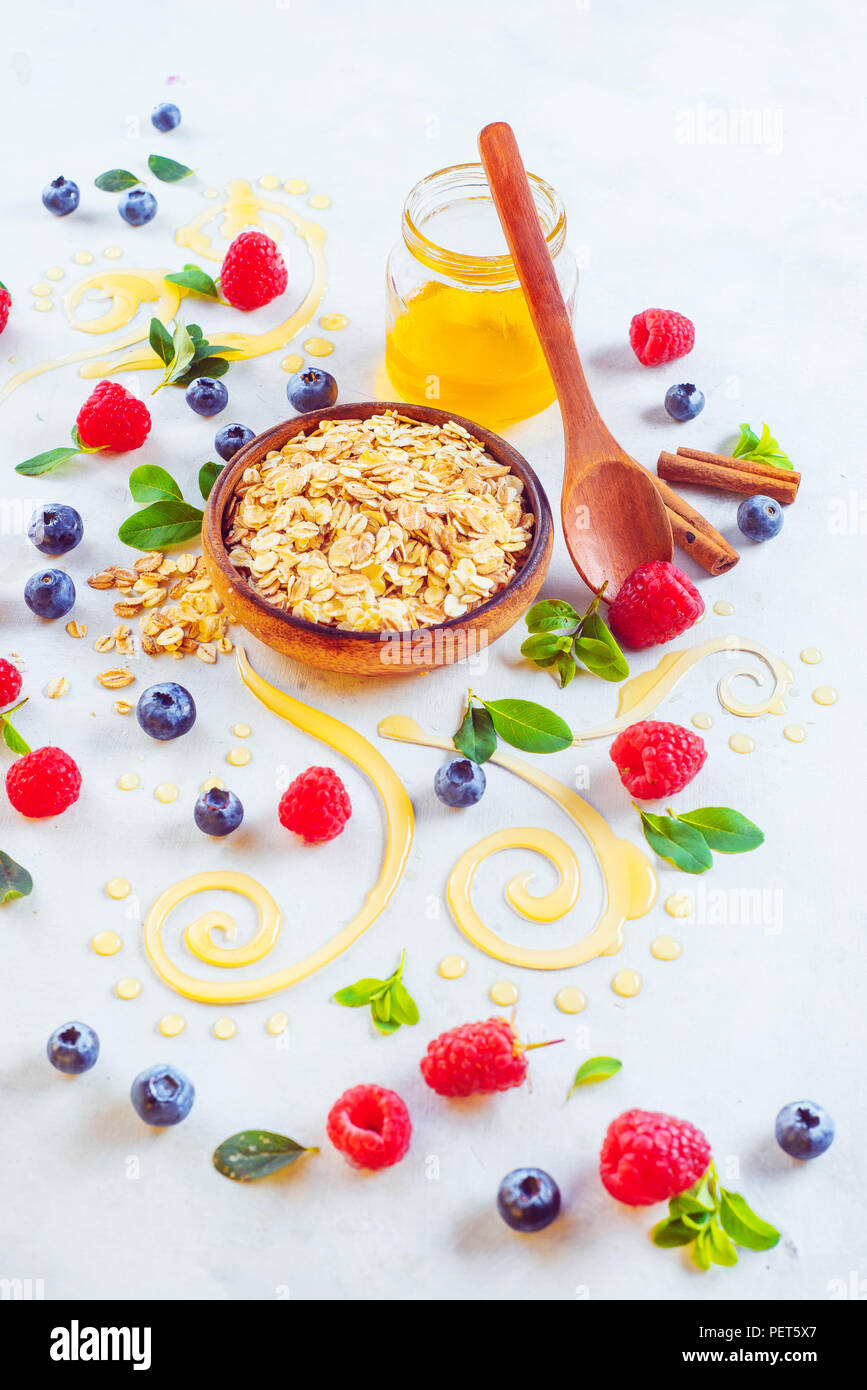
{"points": [[123, 707], [178, 611], [116, 678], [76, 629], [59, 686]]}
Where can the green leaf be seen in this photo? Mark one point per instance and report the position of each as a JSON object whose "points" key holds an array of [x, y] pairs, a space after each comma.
{"points": [[403, 1007], [15, 882], [161, 341], [381, 1006], [696, 1198], [566, 668], [724, 830], [12, 738], [604, 657], [545, 644], [184, 350], [722, 1251], [192, 277], [476, 738], [385, 1026], [551, 614], [148, 483], [593, 1070], [256, 1153], [676, 843], [362, 992], [116, 180], [700, 1252], [43, 463], [160, 525], [668, 1234], [529, 726], [760, 450], [167, 170], [208, 475], [202, 366], [741, 1223]]}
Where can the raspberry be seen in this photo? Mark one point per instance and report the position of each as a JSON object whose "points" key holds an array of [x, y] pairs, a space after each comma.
{"points": [[656, 603], [113, 418], [648, 1157], [475, 1057], [316, 805], [370, 1126], [661, 335], [5, 305], [655, 759], [10, 683], [43, 783], [253, 271]]}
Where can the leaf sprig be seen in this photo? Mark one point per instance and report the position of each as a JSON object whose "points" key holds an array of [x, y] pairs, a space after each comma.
{"points": [[197, 281], [593, 1070], [391, 1003], [11, 736], [256, 1153], [15, 881], [52, 458], [166, 170], [185, 354], [713, 1221], [167, 519], [686, 840], [764, 449], [522, 723], [562, 637]]}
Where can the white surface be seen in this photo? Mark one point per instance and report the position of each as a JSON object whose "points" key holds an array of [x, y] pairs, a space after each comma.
{"points": [[762, 247]]}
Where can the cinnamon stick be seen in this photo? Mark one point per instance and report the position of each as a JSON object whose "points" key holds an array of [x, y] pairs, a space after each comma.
{"points": [[763, 470], [694, 534], [726, 474]]}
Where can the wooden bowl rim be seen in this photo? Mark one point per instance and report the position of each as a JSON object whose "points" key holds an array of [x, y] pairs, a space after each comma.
{"points": [[501, 450]]}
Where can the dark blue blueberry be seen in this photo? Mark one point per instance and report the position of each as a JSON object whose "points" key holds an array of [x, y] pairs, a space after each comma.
{"points": [[162, 1095], [218, 812], [230, 438], [60, 196], [684, 402], [55, 528], [206, 396], [460, 782], [311, 389], [804, 1129], [166, 116], [528, 1199], [166, 711], [49, 593], [760, 518], [137, 206], [73, 1048]]}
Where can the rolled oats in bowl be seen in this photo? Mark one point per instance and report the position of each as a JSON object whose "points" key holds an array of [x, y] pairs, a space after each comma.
{"points": [[380, 524]]}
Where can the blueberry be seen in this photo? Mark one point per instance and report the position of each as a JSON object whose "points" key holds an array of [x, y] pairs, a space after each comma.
{"points": [[528, 1199], [684, 402], [311, 389], [137, 206], [55, 528], [166, 116], [61, 196], [760, 518], [804, 1129], [73, 1048], [166, 711], [218, 812], [162, 1095], [49, 593], [460, 782], [206, 396], [230, 438]]}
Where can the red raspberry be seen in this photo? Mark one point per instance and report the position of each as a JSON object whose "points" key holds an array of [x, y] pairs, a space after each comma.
{"points": [[113, 418], [475, 1057], [5, 305], [10, 683], [655, 759], [43, 783], [316, 805], [648, 1157], [370, 1126], [661, 335], [656, 603], [253, 271]]}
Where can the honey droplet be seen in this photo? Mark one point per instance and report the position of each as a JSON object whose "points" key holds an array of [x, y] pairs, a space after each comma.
{"points": [[269, 181], [825, 695], [106, 943], [318, 347], [295, 186], [55, 272], [224, 1028], [680, 905], [241, 730], [333, 323], [504, 992], [128, 781], [795, 733], [170, 1025], [570, 1000], [741, 743], [319, 201], [626, 983], [41, 288], [42, 306], [665, 948], [210, 193], [83, 257], [167, 792], [112, 253], [702, 721], [128, 988], [277, 1024], [238, 757], [118, 888], [723, 608], [452, 967], [293, 363], [811, 656]]}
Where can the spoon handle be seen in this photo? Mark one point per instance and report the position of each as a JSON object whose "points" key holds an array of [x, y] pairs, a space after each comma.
{"points": [[517, 211]]}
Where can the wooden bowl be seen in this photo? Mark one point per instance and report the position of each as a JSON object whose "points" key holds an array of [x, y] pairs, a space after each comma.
{"points": [[374, 653]]}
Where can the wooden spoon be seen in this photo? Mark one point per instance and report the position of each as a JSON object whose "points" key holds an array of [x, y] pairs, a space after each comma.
{"points": [[613, 517]]}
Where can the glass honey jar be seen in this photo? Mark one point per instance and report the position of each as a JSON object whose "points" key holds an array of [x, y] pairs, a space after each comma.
{"points": [[458, 331]]}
